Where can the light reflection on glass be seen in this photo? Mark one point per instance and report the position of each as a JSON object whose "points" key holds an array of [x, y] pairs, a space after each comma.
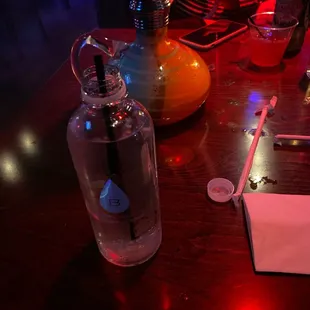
{"points": [[88, 125], [127, 79], [195, 64], [28, 142], [115, 122], [10, 170]]}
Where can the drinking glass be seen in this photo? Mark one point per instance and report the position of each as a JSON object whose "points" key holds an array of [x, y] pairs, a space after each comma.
{"points": [[270, 34]]}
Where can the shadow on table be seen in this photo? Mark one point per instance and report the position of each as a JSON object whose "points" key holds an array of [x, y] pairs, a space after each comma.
{"points": [[169, 131], [89, 281]]}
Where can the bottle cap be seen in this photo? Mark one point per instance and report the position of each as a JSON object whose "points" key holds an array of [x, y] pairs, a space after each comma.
{"points": [[220, 189]]}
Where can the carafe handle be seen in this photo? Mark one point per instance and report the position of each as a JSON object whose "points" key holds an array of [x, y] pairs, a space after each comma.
{"points": [[110, 47]]}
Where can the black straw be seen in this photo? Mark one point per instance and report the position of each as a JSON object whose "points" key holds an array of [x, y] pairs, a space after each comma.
{"points": [[253, 22], [100, 74], [112, 152], [113, 160]]}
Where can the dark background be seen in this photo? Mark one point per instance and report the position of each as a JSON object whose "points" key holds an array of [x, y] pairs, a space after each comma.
{"points": [[36, 37]]}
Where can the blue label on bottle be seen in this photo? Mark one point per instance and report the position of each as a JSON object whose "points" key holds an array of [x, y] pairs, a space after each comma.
{"points": [[113, 199]]}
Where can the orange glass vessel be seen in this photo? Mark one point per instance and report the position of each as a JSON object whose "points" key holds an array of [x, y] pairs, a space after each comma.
{"points": [[171, 80]]}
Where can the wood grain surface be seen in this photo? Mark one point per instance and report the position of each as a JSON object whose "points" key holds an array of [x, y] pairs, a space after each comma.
{"points": [[48, 257]]}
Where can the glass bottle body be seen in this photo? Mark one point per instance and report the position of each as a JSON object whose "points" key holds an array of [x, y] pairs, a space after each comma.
{"points": [[121, 196]]}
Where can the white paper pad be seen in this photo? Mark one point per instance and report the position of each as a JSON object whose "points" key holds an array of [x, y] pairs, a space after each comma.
{"points": [[279, 231]]}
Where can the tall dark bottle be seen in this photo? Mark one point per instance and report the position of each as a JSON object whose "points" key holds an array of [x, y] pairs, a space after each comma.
{"points": [[300, 10]]}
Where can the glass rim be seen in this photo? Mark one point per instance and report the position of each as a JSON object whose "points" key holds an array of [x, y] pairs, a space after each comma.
{"points": [[272, 28], [113, 83], [110, 69]]}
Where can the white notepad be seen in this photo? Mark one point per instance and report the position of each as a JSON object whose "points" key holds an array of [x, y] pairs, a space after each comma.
{"points": [[279, 231]]}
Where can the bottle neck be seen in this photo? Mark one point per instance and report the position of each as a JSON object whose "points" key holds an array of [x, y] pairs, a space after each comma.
{"points": [[151, 37], [98, 100], [114, 90]]}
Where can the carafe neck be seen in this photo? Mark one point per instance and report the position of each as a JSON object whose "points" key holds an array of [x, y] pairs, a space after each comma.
{"points": [[151, 37]]}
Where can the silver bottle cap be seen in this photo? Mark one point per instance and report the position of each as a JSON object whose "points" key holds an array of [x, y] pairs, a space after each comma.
{"points": [[150, 14]]}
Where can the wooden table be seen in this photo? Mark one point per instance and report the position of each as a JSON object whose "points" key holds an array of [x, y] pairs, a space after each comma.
{"points": [[48, 257]]}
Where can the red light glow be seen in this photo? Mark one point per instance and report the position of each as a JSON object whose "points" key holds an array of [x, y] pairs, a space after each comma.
{"points": [[120, 296]]}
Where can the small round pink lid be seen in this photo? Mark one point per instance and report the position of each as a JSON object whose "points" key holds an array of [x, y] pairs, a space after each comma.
{"points": [[220, 189]]}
